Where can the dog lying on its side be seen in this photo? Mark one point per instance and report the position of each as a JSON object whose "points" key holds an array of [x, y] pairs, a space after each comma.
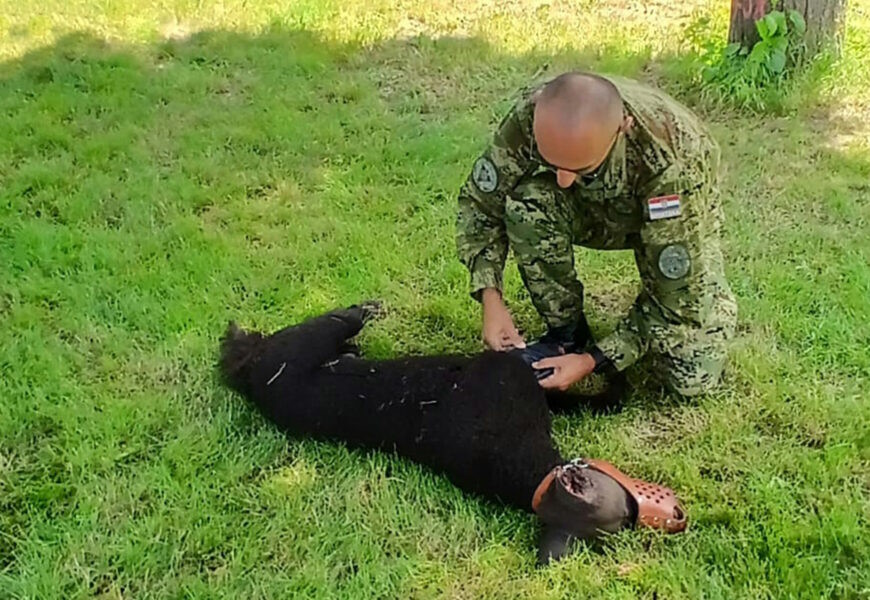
{"points": [[482, 421]]}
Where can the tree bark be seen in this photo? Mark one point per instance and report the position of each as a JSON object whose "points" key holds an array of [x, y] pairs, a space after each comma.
{"points": [[824, 19]]}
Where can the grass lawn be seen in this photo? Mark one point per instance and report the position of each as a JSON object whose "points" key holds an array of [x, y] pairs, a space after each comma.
{"points": [[168, 166]]}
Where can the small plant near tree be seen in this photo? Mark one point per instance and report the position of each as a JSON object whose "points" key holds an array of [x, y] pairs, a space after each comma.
{"points": [[751, 78]]}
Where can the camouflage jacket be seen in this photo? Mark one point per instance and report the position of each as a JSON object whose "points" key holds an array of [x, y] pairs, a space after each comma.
{"points": [[667, 152]]}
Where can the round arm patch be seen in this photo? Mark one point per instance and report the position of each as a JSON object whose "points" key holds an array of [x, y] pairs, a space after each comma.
{"points": [[484, 175], [674, 261]]}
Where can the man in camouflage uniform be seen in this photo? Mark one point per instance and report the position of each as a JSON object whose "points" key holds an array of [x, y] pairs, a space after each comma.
{"points": [[605, 163]]}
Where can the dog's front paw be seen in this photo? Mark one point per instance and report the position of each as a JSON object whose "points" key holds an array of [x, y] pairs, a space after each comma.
{"points": [[371, 309]]}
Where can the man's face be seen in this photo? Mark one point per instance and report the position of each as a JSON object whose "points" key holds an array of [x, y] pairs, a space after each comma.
{"points": [[575, 151]]}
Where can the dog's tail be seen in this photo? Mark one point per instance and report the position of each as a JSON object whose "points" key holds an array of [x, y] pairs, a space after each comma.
{"points": [[238, 347]]}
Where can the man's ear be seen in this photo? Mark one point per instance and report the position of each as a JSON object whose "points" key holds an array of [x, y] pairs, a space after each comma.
{"points": [[627, 124], [553, 544]]}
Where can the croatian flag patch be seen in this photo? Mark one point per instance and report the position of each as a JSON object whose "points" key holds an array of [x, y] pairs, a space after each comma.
{"points": [[664, 207]]}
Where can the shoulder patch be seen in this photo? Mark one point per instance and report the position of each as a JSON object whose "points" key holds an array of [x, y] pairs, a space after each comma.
{"points": [[674, 261], [664, 207], [485, 175]]}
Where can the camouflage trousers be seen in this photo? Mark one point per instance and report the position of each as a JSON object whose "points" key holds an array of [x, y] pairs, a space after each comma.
{"points": [[545, 222]]}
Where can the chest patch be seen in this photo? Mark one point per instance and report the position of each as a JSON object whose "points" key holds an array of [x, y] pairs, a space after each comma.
{"points": [[664, 207], [484, 175]]}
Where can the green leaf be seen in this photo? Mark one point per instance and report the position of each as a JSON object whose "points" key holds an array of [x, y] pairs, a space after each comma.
{"points": [[798, 21], [709, 74], [732, 49], [776, 61], [763, 28], [780, 43], [759, 53], [771, 24], [781, 24]]}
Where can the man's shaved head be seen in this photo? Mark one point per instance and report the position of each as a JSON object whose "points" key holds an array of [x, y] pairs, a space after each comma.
{"points": [[577, 116]]}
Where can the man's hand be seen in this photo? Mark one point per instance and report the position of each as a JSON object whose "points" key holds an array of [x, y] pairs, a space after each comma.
{"points": [[567, 370], [499, 332]]}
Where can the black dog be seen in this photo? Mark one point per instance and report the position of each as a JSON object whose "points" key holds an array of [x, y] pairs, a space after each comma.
{"points": [[482, 421]]}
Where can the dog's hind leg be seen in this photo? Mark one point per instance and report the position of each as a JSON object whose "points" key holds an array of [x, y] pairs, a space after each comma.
{"points": [[247, 356], [320, 339]]}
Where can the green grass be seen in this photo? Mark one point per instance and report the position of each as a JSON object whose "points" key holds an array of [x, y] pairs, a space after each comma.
{"points": [[166, 167]]}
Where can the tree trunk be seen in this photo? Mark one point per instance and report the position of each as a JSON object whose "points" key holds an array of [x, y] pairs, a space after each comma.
{"points": [[824, 21]]}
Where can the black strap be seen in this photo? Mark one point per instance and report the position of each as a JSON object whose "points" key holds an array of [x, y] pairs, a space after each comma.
{"points": [[602, 363]]}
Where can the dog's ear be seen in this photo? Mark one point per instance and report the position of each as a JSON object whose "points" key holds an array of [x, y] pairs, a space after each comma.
{"points": [[553, 544]]}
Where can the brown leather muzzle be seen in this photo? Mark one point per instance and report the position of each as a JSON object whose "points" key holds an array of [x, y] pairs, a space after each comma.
{"points": [[657, 506]]}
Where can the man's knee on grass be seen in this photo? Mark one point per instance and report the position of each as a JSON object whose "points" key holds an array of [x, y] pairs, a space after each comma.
{"points": [[693, 374]]}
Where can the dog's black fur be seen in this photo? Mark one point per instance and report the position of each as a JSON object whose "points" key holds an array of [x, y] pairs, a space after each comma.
{"points": [[483, 421]]}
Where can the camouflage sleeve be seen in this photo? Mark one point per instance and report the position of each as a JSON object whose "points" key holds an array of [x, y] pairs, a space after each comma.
{"points": [[681, 270], [481, 239]]}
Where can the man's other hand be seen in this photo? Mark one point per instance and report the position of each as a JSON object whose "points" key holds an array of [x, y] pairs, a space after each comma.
{"points": [[567, 370], [499, 332]]}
